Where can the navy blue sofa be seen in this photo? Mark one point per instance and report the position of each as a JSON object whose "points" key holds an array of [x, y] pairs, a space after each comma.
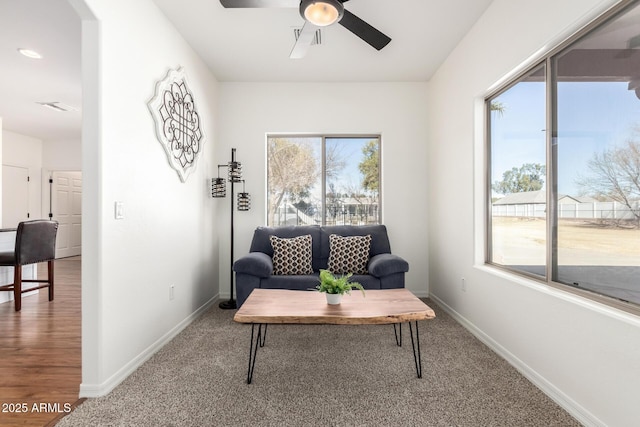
{"points": [[255, 270]]}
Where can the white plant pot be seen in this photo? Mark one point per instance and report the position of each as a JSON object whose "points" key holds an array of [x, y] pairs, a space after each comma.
{"points": [[333, 299]]}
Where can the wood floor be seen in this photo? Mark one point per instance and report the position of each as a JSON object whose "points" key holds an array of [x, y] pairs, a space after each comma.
{"points": [[40, 354]]}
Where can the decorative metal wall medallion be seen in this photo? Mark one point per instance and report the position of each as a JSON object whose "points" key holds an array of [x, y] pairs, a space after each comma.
{"points": [[177, 122]]}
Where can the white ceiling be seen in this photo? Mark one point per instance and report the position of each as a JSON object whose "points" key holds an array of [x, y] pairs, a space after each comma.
{"points": [[51, 28], [236, 44], [254, 44]]}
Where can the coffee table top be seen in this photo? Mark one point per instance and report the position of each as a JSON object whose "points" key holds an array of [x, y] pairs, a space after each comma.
{"points": [[379, 306]]}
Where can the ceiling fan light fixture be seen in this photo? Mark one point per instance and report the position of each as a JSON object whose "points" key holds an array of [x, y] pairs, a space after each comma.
{"points": [[321, 13]]}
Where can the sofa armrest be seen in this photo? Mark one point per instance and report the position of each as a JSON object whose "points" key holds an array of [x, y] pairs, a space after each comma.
{"points": [[254, 263], [382, 265]]}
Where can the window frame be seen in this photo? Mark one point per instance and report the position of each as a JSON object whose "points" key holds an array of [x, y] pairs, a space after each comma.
{"points": [[551, 262], [488, 238], [323, 137]]}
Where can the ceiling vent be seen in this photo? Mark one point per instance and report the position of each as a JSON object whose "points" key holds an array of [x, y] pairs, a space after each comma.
{"points": [[317, 38], [58, 106]]}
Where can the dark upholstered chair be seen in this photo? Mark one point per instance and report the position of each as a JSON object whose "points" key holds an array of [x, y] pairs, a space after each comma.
{"points": [[35, 242]]}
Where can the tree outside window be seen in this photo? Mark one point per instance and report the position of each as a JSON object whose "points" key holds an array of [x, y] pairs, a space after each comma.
{"points": [[323, 180]]}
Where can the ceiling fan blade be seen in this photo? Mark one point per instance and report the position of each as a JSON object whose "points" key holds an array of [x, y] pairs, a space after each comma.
{"points": [[363, 30], [307, 33], [259, 3]]}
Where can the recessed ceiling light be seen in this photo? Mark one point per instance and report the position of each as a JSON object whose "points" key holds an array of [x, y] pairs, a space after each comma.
{"points": [[58, 106], [30, 53]]}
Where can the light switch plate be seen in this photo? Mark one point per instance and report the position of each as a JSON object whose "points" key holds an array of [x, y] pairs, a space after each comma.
{"points": [[119, 210]]}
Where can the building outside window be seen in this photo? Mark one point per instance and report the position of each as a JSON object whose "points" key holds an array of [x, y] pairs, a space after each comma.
{"points": [[325, 180], [564, 164]]}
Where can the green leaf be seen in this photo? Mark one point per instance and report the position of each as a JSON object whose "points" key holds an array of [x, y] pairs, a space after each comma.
{"points": [[337, 285]]}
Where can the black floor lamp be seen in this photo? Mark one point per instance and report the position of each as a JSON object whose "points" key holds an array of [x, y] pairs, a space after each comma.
{"points": [[219, 189]]}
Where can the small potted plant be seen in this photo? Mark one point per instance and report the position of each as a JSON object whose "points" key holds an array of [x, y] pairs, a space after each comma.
{"points": [[335, 287]]}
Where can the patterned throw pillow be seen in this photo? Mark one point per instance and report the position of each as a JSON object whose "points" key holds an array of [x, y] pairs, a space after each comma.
{"points": [[291, 256], [348, 254]]}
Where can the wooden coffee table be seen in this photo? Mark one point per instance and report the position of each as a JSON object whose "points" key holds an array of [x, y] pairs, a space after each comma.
{"points": [[378, 307]]}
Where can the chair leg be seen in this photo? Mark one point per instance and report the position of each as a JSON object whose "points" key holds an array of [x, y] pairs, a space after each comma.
{"points": [[17, 287], [50, 278]]}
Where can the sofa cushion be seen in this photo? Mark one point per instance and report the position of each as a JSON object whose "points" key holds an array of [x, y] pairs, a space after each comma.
{"points": [[348, 254], [379, 239], [308, 282], [302, 282], [291, 256], [261, 242]]}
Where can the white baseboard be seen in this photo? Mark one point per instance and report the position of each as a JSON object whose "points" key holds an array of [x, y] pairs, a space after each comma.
{"points": [[97, 390], [420, 294], [576, 410]]}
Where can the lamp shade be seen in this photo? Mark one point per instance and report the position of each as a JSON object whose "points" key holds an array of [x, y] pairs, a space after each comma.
{"points": [[321, 12], [235, 171], [244, 201], [218, 187]]}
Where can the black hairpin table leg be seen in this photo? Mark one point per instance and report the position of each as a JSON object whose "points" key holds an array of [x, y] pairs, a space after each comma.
{"points": [[398, 333], [264, 335], [253, 348], [417, 357]]}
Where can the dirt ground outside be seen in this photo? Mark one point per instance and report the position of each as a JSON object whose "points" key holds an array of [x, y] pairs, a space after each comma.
{"points": [[600, 257], [522, 241]]}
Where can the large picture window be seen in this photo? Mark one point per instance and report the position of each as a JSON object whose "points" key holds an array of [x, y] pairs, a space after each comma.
{"points": [[564, 164], [327, 180]]}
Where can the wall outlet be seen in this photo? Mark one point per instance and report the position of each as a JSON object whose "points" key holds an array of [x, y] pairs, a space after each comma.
{"points": [[171, 292], [463, 284]]}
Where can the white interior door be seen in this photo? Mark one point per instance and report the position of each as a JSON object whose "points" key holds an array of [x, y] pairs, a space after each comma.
{"points": [[66, 204], [15, 195]]}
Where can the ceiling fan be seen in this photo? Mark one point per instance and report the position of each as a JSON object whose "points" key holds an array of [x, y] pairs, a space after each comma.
{"points": [[318, 13]]}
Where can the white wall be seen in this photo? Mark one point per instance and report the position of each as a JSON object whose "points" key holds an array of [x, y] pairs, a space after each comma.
{"points": [[581, 353], [249, 111], [25, 151], [40, 157], [167, 235], [62, 155]]}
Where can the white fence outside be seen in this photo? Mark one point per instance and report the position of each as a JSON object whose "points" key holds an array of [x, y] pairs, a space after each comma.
{"points": [[591, 210]]}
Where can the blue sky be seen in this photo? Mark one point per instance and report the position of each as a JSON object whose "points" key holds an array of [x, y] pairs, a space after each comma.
{"points": [[592, 116], [350, 150]]}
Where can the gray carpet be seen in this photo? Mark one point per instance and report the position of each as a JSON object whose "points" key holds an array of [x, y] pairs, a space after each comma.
{"points": [[319, 375]]}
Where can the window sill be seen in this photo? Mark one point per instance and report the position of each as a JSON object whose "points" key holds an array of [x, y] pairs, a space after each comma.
{"points": [[618, 310]]}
